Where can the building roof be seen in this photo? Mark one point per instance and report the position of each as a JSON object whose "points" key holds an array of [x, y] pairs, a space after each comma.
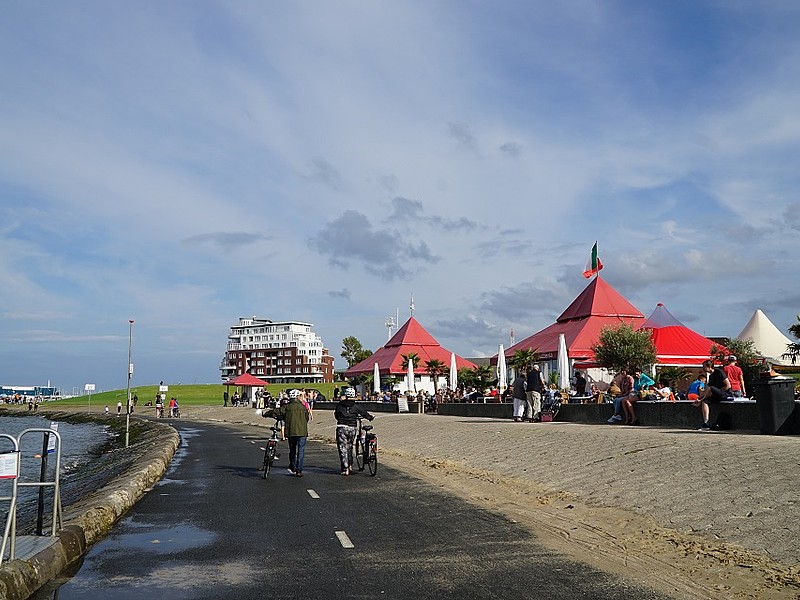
{"points": [[677, 345], [410, 338], [768, 339], [247, 380], [598, 305]]}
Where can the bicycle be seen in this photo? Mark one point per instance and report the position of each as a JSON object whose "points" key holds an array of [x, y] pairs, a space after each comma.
{"points": [[271, 450], [366, 448]]}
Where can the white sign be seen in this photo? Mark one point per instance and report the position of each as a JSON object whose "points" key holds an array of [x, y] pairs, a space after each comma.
{"points": [[402, 403], [89, 387], [163, 388], [51, 439], [8, 465]]}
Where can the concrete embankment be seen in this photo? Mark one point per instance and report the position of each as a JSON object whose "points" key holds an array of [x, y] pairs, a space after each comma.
{"points": [[103, 492]]}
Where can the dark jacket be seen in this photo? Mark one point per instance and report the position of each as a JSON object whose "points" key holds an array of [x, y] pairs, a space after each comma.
{"points": [[294, 414], [347, 412], [520, 387], [535, 381]]}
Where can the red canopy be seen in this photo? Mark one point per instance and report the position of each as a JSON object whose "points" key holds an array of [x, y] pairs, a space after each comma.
{"points": [[410, 338], [597, 306], [677, 345], [246, 380]]}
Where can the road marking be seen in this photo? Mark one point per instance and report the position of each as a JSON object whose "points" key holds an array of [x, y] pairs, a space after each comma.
{"points": [[313, 494], [344, 540]]}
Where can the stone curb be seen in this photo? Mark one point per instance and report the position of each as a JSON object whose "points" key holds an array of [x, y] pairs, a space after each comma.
{"points": [[85, 522]]}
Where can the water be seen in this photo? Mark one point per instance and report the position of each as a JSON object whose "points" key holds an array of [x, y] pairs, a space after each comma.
{"points": [[78, 442]]}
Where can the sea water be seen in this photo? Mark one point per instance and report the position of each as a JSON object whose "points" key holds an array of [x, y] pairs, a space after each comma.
{"points": [[78, 442]]}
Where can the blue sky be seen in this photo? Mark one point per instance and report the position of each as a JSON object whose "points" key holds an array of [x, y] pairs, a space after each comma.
{"points": [[183, 164]]}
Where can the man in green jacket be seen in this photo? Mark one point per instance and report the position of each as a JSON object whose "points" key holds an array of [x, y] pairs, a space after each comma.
{"points": [[295, 416]]}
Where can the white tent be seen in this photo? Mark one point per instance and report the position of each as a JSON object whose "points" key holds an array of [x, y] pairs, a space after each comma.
{"points": [[767, 338]]}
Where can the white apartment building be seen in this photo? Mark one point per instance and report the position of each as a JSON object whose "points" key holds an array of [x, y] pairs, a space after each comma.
{"points": [[277, 352]]}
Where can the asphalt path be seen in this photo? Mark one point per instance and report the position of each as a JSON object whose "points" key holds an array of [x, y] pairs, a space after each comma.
{"points": [[214, 528]]}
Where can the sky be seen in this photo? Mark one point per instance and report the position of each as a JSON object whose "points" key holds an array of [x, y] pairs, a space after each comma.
{"points": [[184, 164]]}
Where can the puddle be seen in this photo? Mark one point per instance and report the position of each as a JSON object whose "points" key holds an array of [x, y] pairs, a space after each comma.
{"points": [[154, 539]]}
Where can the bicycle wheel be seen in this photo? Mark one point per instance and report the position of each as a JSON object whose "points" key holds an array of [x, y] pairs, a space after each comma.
{"points": [[269, 458], [372, 457], [359, 449]]}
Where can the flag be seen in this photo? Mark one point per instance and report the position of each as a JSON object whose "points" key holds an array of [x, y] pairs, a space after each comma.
{"points": [[593, 265], [411, 304]]}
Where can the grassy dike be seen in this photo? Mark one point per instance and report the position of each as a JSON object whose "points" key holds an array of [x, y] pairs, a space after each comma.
{"points": [[105, 489], [204, 394]]}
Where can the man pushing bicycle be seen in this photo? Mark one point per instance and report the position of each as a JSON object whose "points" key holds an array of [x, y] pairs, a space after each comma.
{"points": [[347, 413]]}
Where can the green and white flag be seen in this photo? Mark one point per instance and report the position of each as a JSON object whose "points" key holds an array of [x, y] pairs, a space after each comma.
{"points": [[593, 265]]}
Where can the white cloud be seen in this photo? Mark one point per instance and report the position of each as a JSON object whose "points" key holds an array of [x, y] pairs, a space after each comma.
{"points": [[472, 154]]}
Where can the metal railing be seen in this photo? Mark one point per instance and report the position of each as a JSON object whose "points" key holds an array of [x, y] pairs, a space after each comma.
{"points": [[10, 467]]}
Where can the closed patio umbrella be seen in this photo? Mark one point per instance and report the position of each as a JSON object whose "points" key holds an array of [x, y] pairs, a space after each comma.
{"points": [[502, 374]]}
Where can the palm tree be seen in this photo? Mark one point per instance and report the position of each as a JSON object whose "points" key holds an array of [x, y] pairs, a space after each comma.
{"points": [[523, 359], [411, 356], [483, 375], [435, 369], [792, 349]]}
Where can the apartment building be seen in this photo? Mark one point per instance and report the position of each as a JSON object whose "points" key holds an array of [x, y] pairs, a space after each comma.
{"points": [[277, 352]]}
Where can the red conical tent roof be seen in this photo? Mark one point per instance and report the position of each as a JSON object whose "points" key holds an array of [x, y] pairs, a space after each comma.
{"points": [[677, 345], [598, 305], [246, 380], [410, 338]]}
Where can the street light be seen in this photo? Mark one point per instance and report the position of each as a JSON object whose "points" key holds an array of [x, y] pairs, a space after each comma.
{"points": [[130, 374]]}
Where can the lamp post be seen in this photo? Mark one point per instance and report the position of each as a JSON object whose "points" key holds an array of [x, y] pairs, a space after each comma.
{"points": [[130, 374]]}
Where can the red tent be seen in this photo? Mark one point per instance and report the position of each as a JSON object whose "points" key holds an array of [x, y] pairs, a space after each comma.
{"points": [[410, 338], [677, 345], [246, 380], [598, 306]]}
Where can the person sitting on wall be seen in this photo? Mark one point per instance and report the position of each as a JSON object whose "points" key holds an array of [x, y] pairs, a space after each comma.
{"points": [[696, 388], [641, 386], [621, 388], [663, 393], [717, 390]]}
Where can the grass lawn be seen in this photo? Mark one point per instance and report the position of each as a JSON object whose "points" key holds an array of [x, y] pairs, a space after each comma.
{"points": [[187, 395]]}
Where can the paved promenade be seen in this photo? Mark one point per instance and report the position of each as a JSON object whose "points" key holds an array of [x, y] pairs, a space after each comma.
{"points": [[719, 509]]}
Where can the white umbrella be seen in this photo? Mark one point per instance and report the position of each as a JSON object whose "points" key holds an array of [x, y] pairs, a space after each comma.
{"points": [[376, 376], [411, 387], [563, 363], [453, 372], [502, 374]]}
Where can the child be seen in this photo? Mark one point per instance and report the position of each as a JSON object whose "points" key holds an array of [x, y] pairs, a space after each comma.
{"points": [[696, 389]]}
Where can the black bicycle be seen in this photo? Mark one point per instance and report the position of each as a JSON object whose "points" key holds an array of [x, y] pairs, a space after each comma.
{"points": [[271, 451], [366, 448]]}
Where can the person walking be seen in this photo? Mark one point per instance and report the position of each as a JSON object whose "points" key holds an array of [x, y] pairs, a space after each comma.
{"points": [[346, 414], [119, 407], [519, 386], [295, 416], [534, 388]]}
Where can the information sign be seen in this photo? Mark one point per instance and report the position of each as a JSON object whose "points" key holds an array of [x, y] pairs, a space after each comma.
{"points": [[8, 465], [51, 439]]}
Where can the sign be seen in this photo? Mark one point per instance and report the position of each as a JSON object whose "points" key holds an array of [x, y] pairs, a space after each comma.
{"points": [[89, 387], [51, 439], [402, 403], [163, 388], [8, 465]]}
